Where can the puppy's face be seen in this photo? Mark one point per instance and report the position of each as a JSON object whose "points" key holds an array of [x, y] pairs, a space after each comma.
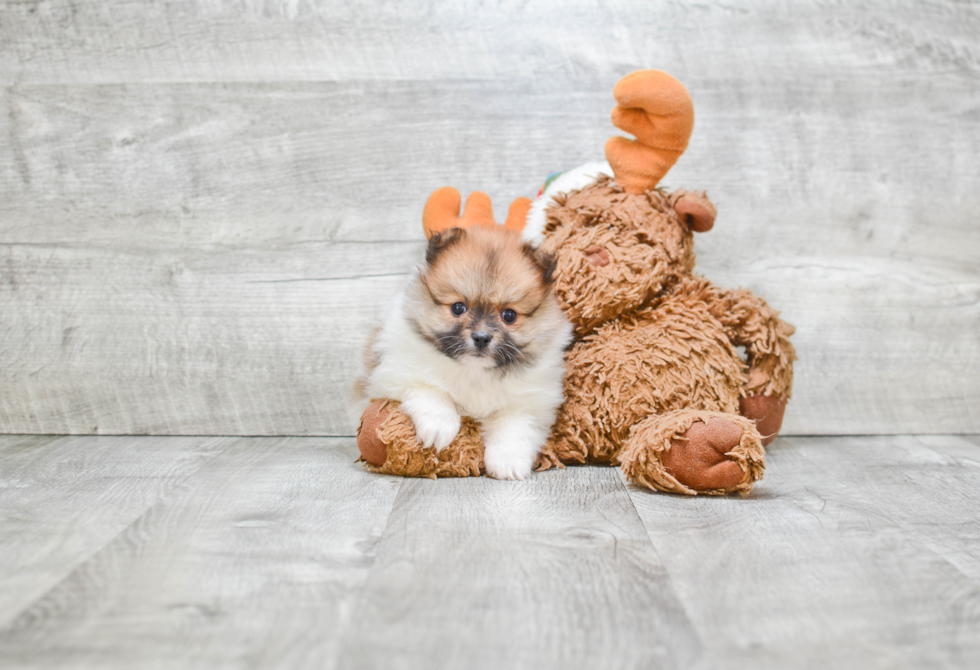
{"points": [[484, 298]]}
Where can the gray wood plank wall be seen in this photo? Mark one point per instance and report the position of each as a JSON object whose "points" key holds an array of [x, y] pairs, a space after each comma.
{"points": [[205, 205]]}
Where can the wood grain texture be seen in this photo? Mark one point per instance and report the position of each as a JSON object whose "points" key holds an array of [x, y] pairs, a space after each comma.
{"points": [[853, 552], [254, 561], [256, 40], [278, 141], [149, 552], [555, 572], [63, 499], [881, 341], [192, 342], [972, 439], [255, 164]]}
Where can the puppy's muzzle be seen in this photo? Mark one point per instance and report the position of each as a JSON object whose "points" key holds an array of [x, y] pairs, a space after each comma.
{"points": [[481, 339]]}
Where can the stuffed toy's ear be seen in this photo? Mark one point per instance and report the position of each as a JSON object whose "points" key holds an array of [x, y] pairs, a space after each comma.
{"points": [[697, 212]]}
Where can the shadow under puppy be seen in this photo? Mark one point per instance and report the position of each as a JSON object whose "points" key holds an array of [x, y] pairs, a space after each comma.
{"points": [[477, 332]]}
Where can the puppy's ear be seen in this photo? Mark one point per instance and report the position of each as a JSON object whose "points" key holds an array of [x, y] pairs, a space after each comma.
{"points": [[543, 260], [439, 242]]}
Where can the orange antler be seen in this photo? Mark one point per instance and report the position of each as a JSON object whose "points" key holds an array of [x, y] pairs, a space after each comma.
{"points": [[442, 211], [656, 109]]}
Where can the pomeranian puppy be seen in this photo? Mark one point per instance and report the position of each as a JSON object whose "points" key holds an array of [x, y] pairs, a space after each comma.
{"points": [[476, 332]]}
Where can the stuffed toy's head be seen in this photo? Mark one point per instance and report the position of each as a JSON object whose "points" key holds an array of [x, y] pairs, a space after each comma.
{"points": [[620, 242], [616, 250]]}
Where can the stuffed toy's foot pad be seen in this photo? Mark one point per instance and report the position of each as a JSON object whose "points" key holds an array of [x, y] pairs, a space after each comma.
{"points": [[767, 412], [372, 448], [695, 452], [698, 458]]}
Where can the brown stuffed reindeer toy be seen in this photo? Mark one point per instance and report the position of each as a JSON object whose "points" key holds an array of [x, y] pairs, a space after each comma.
{"points": [[654, 381]]}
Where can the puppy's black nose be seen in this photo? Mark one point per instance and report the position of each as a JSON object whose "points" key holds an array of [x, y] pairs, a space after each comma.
{"points": [[481, 339]]}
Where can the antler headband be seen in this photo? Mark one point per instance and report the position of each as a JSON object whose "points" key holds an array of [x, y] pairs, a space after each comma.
{"points": [[442, 211]]}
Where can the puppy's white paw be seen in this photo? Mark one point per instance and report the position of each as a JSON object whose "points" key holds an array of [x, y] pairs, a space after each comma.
{"points": [[508, 464], [435, 425]]}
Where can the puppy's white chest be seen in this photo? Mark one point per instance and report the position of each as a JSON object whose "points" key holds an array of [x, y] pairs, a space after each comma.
{"points": [[480, 395]]}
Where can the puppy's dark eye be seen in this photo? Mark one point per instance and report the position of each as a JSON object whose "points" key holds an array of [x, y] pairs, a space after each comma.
{"points": [[508, 315], [458, 309]]}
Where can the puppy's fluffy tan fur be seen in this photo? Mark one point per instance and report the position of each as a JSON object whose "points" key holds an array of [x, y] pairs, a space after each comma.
{"points": [[477, 332]]}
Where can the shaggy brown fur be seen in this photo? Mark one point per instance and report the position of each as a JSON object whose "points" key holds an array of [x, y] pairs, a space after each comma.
{"points": [[385, 431], [655, 352], [384, 425], [643, 239], [654, 381]]}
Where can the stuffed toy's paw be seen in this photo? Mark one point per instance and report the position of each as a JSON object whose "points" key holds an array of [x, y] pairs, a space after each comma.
{"points": [[387, 441], [374, 450], [698, 458], [767, 412], [691, 452]]}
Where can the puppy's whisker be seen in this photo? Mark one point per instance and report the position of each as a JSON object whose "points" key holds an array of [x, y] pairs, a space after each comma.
{"points": [[509, 354]]}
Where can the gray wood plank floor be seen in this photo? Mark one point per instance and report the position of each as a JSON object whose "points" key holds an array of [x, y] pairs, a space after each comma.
{"points": [[165, 552]]}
